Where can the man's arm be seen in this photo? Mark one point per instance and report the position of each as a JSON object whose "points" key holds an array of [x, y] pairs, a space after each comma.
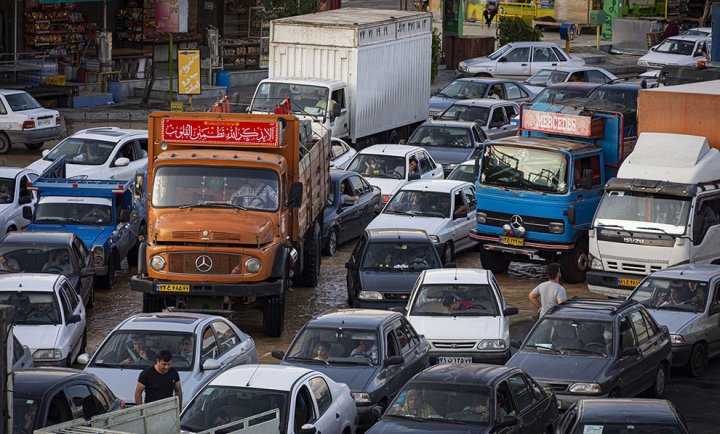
{"points": [[138, 393], [561, 295], [534, 297], [178, 393]]}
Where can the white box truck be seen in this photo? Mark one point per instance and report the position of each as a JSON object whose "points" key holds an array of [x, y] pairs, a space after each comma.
{"points": [[362, 74]]}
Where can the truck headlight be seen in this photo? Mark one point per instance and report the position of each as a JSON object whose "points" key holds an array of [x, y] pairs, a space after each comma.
{"points": [[370, 295], [481, 218], [595, 263], [585, 388], [434, 238], [157, 263], [98, 252], [557, 227], [677, 339], [361, 398], [491, 344], [253, 265], [51, 353]]}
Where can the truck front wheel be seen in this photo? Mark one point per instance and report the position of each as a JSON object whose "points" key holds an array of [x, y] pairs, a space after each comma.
{"points": [[494, 261], [573, 265], [310, 273], [274, 315]]}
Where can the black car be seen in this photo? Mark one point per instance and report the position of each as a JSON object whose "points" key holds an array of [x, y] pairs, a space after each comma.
{"points": [[450, 142], [49, 396], [345, 221], [477, 398], [657, 416], [385, 264], [597, 348], [35, 252], [374, 352]]}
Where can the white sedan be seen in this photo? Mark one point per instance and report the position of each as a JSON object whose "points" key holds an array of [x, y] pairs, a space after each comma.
{"points": [[518, 59], [564, 74], [446, 210], [14, 195], [271, 399], [49, 316], [342, 153], [24, 120]]}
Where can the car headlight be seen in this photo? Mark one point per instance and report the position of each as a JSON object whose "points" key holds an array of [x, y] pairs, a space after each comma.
{"points": [[677, 339], [52, 353], [642, 63], [481, 218], [434, 238], [595, 263], [492, 344], [253, 265], [585, 388], [157, 263], [557, 227], [361, 397], [370, 295]]}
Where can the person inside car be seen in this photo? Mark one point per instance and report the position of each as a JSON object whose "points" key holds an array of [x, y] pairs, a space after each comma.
{"points": [[6, 195], [97, 213], [366, 348], [91, 155], [414, 406], [347, 199], [322, 352], [9, 264], [139, 352], [60, 263]]}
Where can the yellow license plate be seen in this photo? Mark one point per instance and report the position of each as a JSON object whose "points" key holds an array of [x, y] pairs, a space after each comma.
{"points": [[512, 241], [172, 287], [629, 282]]}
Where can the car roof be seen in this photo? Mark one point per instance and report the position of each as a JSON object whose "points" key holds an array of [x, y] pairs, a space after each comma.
{"points": [[10, 172], [388, 234], [575, 147], [10, 91], [622, 86], [457, 275], [693, 38], [434, 185], [272, 377], [486, 80], [43, 282], [109, 134], [574, 85], [532, 44], [482, 102], [353, 318], [391, 150], [336, 174], [590, 308], [689, 272], [175, 321], [51, 238], [37, 381], [474, 374], [455, 124], [636, 410]]}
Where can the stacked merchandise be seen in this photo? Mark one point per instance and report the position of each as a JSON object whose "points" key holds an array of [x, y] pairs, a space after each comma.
{"points": [[58, 31], [38, 70]]}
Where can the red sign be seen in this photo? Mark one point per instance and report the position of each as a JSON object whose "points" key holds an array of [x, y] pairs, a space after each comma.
{"points": [[220, 132], [558, 123]]}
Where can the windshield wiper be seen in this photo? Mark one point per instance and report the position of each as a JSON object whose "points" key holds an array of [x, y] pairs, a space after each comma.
{"points": [[530, 186], [542, 347], [209, 203], [106, 365], [602, 225], [407, 416], [358, 361], [583, 350], [650, 228], [445, 95], [309, 360]]}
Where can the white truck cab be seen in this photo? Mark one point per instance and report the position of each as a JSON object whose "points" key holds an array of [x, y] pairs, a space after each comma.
{"points": [[662, 209]]}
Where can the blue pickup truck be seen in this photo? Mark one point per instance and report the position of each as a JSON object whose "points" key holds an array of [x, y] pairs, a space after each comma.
{"points": [[537, 193], [103, 213]]}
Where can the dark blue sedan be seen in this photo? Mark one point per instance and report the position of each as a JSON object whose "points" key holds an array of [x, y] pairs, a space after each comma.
{"points": [[473, 88]]}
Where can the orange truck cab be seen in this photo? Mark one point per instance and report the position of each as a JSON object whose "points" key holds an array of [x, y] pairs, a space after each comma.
{"points": [[235, 205]]}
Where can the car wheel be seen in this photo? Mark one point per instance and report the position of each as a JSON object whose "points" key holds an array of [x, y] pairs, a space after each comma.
{"points": [[332, 242], [106, 281], [658, 387], [494, 261], [698, 361], [449, 252], [4, 143], [91, 297], [34, 146]]}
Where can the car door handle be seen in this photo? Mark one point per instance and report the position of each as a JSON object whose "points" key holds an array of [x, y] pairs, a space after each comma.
{"points": [[554, 64], [523, 64], [337, 416]]}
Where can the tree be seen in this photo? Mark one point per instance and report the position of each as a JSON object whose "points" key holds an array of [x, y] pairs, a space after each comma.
{"points": [[287, 8]]}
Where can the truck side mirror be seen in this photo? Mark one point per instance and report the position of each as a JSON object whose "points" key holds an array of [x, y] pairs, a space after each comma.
{"points": [[587, 175], [124, 216], [27, 213], [295, 195], [139, 185]]}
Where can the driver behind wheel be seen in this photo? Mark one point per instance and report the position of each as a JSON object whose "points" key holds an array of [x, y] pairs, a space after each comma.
{"points": [[186, 349], [59, 263], [255, 193]]}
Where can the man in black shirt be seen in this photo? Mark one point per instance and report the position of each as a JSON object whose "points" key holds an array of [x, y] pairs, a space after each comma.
{"points": [[159, 381]]}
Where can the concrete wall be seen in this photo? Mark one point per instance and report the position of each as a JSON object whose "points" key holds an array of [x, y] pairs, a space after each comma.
{"points": [[575, 11]]}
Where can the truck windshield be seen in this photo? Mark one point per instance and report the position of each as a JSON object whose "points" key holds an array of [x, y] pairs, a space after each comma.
{"points": [[524, 168], [326, 345], [378, 166], [672, 294], [635, 210], [32, 308], [215, 187], [68, 210], [302, 99], [453, 300]]}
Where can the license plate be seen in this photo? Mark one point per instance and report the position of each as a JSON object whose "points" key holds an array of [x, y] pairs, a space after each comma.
{"points": [[172, 287], [629, 282], [44, 122], [454, 359], [511, 241]]}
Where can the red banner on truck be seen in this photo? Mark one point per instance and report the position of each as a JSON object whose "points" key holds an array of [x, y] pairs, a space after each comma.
{"points": [[263, 134], [561, 123]]}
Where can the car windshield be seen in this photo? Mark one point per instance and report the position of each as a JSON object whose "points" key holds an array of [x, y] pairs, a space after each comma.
{"points": [[25, 414], [400, 257], [643, 211], [439, 402], [672, 294], [7, 190], [625, 97], [220, 405], [557, 96], [571, 337], [446, 137], [330, 200], [19, 102], [498, 53], [463, 89], [455, 299], [464, 112], [325, 345], [301, 99], [378, 166], [524, 168], [463, 172], [36, 259], [676, 46], [88, 152], [67, 210], [419, 203], [33, 308], [625, 428], [137, 349], [215, 187]]}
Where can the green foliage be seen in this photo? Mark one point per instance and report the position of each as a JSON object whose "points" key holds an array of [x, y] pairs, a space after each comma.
{"points": [[286, 8], [512, 29], [436, 54]]}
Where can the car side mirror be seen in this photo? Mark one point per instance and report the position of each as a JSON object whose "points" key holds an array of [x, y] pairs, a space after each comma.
{"points": [[124, 216], [122, 162], [83, 359], [394, 360], [460, 214], [502, 59], [571, 214], [402, 141], [350, 265], [509, 311], [653, 49], [211, 365], [27, 213], [307, 429], [277, 354], [714, 308], [587, 175], [295, 195], [508, 420], [73, 319]]}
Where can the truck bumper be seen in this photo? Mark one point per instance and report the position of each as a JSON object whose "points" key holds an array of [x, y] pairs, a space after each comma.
{"points": [[36, 135], [208, 289], [491, 357], [101, 270], [529, 248], [609, 283]]}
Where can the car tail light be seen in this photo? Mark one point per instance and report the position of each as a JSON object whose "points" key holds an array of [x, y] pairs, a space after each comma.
{"points": [[57, 120], [28, 125], [386, 198], [122, 404]]}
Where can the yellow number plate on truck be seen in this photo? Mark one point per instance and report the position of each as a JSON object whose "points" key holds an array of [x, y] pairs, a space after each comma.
{"points": [[629, 282], [172, 287], [512, 241]]}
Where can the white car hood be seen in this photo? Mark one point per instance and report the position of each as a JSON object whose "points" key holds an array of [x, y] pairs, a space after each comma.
{"points": [[459, 327], [36, 337], [71, 170], [387, 186], [668, 59], [431, 225], [123, 381]]}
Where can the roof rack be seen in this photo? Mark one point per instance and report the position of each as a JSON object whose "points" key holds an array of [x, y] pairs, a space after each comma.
{"points": [[611, 305]]}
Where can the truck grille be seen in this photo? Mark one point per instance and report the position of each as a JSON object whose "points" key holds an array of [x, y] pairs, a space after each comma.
{"points": [[534, 224], [203, 263], [454, 345], [623, 266], [211, 236]]}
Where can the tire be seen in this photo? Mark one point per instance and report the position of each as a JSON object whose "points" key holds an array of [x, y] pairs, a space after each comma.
{"points": [[332, 243], [83, 343], [574, 265], [91, 299], [448, 252], [274, 315], [695, 367], [152, 303], [5, 144], [34, 146], [658, 387], [310, 273], [132, 256], [494, 261], [106, 282]]}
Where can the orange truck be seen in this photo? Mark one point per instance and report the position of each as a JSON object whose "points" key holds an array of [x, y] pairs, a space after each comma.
{"points": [[235, 205]]}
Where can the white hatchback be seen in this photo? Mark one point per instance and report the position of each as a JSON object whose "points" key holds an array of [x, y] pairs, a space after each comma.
{"points": [[683, 50], [14, 195], [462, 313], [49, 316]]}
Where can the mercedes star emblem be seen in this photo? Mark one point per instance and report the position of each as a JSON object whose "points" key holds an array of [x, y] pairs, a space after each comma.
{"points": [[516, 221], [203, 263]]}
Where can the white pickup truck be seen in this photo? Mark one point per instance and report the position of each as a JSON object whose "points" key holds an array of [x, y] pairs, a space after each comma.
{"points": [[24, 120]]}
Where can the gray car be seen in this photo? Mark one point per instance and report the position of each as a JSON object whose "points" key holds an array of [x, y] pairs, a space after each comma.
{"points": [[597, 348], [449, 142], [493, 116]]}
